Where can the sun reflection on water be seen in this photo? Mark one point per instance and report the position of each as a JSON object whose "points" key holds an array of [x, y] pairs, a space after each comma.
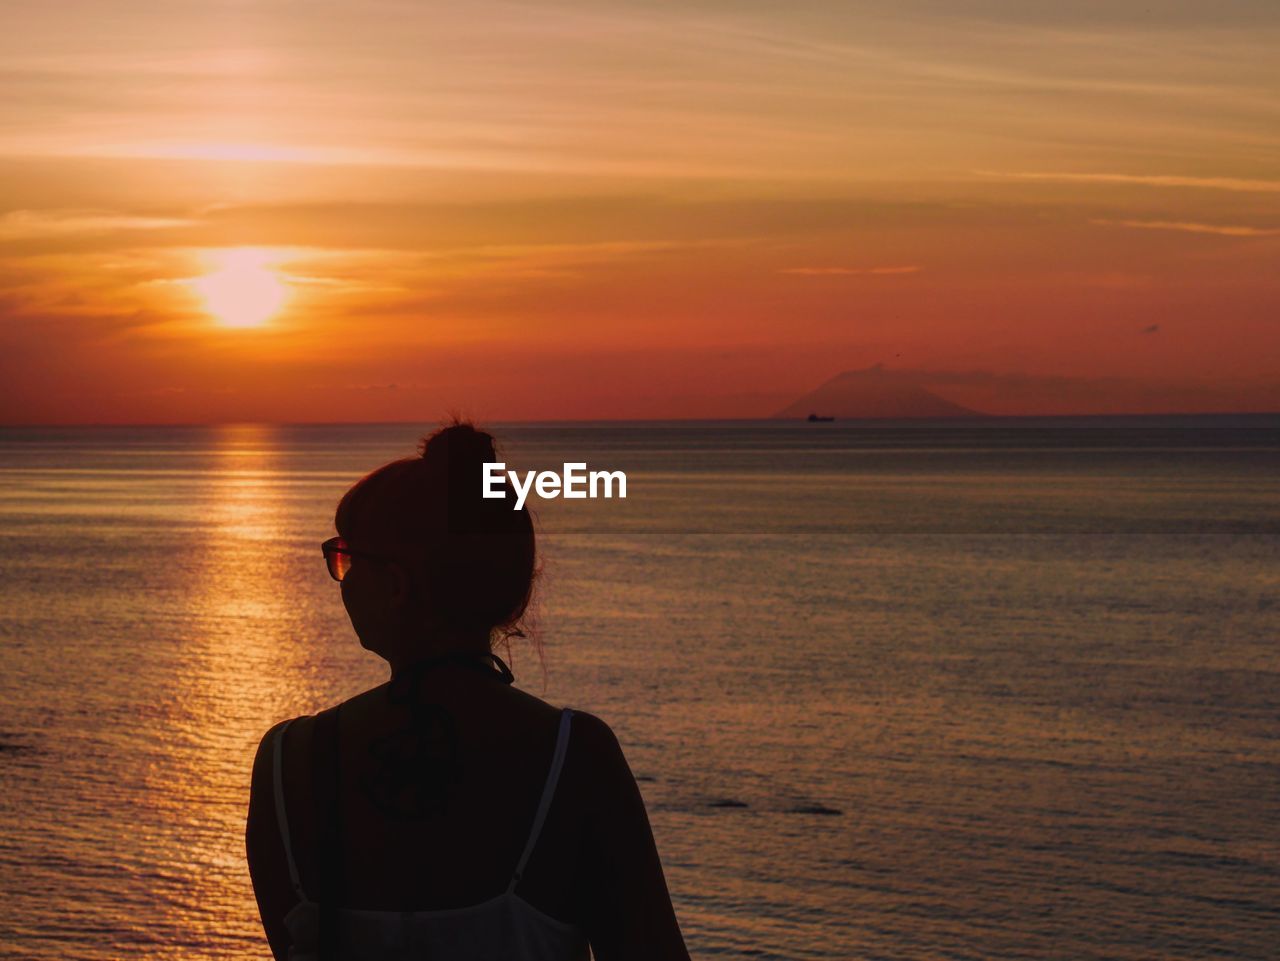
{"points": [[241, 665]]}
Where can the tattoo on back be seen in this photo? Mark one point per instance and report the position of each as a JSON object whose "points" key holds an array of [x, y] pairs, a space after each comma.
{"points": [[415, 766]]}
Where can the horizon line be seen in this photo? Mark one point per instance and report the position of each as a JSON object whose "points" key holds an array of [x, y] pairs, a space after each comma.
{"points": [[964, 420]]}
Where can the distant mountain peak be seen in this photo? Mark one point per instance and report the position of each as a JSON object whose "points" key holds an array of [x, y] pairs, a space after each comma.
{"points": [[875, 392]]}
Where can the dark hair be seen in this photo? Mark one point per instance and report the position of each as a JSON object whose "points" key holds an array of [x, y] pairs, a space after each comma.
{"points": [[473, 557]]}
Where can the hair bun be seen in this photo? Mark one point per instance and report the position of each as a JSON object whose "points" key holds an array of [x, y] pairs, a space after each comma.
{"points": [[460, 446]]}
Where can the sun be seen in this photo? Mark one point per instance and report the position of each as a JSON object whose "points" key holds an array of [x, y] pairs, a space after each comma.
{"points": [[243, 287]]}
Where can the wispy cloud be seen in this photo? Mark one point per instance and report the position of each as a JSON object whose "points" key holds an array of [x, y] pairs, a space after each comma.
{"points": [[1222, 230], [1237, 184], [33, 224], [850, 271]]}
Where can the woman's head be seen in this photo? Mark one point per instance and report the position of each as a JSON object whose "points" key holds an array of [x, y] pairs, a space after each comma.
{"points": [[444, 563]]}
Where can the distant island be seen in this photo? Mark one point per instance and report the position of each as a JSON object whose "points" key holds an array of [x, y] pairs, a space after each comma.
{"points": [[872, 393]]}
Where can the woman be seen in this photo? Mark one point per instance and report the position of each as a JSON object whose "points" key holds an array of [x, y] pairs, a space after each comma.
{"points": [[446, 814]]}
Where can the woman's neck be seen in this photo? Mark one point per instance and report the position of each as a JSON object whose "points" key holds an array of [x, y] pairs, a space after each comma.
{"points": [[436, 645]]}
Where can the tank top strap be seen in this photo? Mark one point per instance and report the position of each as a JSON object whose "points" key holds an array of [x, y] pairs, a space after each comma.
{"points": [[548, 792], [282, 816]]}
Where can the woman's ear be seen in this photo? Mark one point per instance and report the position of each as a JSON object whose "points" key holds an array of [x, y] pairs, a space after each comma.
{"points": [[400, 589]]}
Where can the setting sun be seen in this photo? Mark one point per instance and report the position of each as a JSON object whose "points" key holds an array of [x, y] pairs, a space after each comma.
{"points": [[243, 287]]}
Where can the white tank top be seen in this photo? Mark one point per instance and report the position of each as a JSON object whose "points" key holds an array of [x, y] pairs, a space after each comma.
{"points": [[505, 927]]}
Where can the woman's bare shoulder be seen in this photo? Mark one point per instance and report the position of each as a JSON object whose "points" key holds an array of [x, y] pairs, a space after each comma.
{"points": [[596, 762], [267, 749], [282, 749], [593, 735]]}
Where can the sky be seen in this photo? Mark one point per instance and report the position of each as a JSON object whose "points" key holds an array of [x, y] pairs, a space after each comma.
{"points": [[332, 210]]}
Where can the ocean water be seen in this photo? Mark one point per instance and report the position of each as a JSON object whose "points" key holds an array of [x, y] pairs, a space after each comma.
{"points": [[998, 689]]}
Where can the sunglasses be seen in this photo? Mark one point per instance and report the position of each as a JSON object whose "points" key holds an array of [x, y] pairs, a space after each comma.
{"points": [[338, 554]]}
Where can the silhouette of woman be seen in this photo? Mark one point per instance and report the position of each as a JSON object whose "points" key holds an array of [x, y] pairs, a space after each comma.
{"points": [[446, 814]]}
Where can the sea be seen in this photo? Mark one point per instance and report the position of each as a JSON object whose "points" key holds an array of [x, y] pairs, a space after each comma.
{"points": [[1006, 688]]}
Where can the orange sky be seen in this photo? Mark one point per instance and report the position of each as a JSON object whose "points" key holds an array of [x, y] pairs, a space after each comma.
{"points": [[576, 210]]}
